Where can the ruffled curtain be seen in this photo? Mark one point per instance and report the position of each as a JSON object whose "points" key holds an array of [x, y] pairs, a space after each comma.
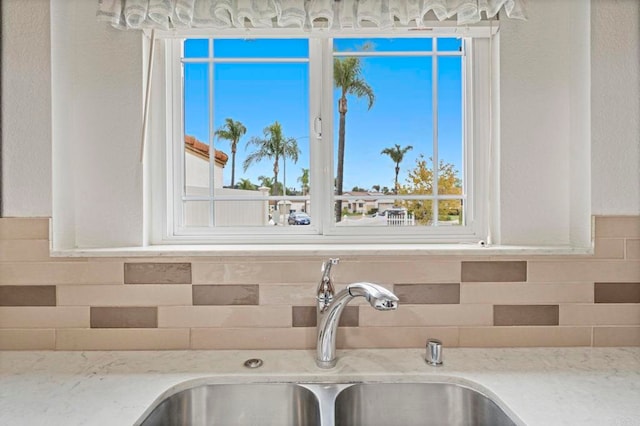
{"points": [[305, 14]]}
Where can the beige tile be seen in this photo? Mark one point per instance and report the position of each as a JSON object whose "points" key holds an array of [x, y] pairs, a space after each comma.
{"points": [[583, 270], [255, 272], [253, 338], [221, 294], [396, 271], [36, 273], [428, 315], [105, 339], [288, 294], [27, 339], [600, 314], [526, 293], [224, 316], [41, 317], [124, 295], [24, 250], [428, 293], [609, 248], [394, 337], [306, 316], [616, 336], [617, 292], [124, 317], [14, 228], [157, 273], [553, 336], [489, 271], [35, 295], [633, 249], [617, 226], [519, 315]]}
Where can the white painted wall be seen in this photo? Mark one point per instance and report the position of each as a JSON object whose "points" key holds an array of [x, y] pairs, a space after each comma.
{"points": [[93, 75]]}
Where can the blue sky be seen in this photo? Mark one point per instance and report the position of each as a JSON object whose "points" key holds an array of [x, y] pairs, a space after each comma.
{"points": [[259, 94]]}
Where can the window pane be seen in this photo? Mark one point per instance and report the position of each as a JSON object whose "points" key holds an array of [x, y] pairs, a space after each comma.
{"points": [[382, 45], [261, 48], [450, 44], [196, 48], [450, 213], [196, 128], [196, 213]]}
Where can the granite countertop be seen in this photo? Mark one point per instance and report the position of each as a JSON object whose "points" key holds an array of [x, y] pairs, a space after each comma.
{"points": [[542, 386]]}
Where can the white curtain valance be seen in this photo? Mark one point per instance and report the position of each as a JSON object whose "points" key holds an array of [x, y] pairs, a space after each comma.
{"points": [[306, 14]]}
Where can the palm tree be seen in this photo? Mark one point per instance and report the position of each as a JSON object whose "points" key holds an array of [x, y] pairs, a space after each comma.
{"points": [[246, 184], [232, 131], [347, 76], [397, 155], [273, 146], [304, 181], [265, 181]]}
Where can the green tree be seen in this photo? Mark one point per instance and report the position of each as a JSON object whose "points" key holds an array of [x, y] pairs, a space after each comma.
{"points": [[358, 189], [376, 188], [268, 182], [232, 131], [245, 184], [397, 155], [304, 181], [347, 76], [273, 146], [420, 182]]}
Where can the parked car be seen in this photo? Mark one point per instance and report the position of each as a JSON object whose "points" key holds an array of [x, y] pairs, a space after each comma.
{"points": [[299, 218]]}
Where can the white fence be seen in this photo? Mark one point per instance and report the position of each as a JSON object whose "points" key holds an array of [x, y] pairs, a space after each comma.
{"points": [[390, 220]]}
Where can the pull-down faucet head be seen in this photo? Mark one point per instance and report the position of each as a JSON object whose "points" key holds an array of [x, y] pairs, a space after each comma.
{"points": [[378, 297]]}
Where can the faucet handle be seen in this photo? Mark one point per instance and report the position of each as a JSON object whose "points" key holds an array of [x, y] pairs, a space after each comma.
{"points": [[329, 263]]}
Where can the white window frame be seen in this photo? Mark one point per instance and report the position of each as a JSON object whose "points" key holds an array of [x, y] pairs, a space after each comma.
{"points": [[476, 60]]}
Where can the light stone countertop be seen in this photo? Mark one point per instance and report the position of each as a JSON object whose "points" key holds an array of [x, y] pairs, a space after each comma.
{"points": [[542, 386]]}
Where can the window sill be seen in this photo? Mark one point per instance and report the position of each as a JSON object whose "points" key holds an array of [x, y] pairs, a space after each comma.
{"points": [[326, 250]]}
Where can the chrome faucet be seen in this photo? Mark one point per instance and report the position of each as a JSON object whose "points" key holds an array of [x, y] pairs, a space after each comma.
{"points": [[330, 307]]}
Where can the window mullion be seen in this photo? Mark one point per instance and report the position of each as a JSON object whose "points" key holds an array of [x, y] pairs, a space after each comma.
{"points": [[434, 100], [212, 149]]}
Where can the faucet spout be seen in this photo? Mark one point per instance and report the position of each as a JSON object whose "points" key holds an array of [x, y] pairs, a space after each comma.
{"points": [[328, 318]]}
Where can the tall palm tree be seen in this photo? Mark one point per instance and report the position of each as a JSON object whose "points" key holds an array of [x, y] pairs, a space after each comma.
{"points": [[397, 155], [347, 76], [304, 181], [232, 131], [273, 146]]}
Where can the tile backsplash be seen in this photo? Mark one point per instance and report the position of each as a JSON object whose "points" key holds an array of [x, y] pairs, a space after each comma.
{"points": [[268, 302]]}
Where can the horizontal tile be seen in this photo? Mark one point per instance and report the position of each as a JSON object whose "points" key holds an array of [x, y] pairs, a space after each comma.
{"points": [[27, 339], [393, 271], [105, 339], [255, 272], [526, 293], [18, 228], [36, 295], [24, 250], [124, 295], [253, 338], [43, 317], [306, 316], [617, 226], [552, 336], [224, 316], [38, 273], [616, 336], [633, 249], [609, 248], [617, 292], [394, 337], [519, 315], [428, 293], [287, 294], [428, 315], [157, 273], [124, 317], [498, 271], [223, 294], [583, 270], [600, 314]]}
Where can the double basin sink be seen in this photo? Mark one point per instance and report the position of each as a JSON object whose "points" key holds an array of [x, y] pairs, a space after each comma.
{"points": [[352, 404]]}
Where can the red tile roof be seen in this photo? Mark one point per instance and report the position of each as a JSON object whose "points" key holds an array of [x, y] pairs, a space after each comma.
{"points": [[201, 149]]}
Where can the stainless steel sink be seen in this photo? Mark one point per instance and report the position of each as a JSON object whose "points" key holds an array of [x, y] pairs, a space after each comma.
{"points": [[327, 404], [413, 404], [278, 404]]}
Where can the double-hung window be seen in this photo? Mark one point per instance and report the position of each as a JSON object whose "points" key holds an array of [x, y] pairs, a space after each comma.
{"points": [[313, 139]]}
